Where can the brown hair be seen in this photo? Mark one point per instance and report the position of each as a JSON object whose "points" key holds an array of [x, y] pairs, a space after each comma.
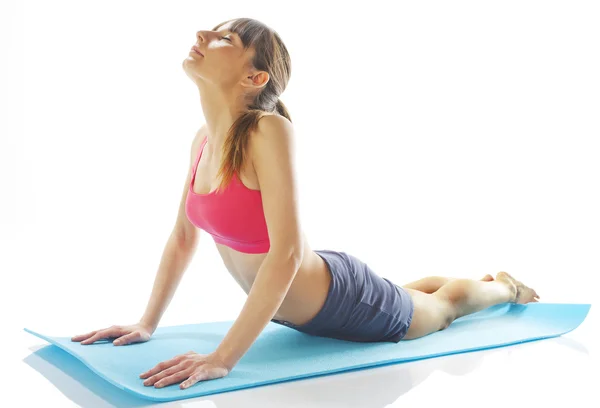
{"points": [[271, 56]]}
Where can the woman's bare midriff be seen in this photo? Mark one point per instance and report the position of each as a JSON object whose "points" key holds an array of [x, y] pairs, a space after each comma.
{"points": [[309, 289], [307, 292]]}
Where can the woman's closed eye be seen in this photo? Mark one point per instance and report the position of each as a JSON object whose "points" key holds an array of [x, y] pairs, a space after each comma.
{"points": [[226, 38]]}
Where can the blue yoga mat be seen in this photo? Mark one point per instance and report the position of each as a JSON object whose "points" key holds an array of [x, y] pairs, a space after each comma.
{"points": [[282, 354]]}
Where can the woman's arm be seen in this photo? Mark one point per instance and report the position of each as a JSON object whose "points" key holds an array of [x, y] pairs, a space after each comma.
{"points": [[174, 262], [176, 257]]}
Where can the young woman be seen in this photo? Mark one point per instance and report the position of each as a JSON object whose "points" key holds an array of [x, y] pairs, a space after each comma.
{"points": [[241, 189]]}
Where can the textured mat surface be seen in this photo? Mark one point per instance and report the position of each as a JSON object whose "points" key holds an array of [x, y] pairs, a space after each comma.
{"points": [[283, 354]]}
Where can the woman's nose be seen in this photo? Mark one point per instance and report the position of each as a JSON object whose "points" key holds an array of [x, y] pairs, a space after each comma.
{"points": [[202, 34]]}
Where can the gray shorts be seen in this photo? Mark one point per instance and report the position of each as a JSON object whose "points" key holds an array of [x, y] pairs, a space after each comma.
{"points": [[360, 306]]}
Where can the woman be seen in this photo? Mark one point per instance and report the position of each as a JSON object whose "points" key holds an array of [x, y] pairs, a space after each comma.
{"points": [[241, 190]]}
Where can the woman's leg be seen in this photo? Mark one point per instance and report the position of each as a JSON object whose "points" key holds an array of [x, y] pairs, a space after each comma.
{"points": [[431, 284], [460, 297]]}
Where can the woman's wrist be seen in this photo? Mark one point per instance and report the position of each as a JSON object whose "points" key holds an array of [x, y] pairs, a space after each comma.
{"points": [[148, 326]]}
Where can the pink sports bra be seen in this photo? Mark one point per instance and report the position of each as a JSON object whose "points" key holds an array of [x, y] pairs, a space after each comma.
{"points": [[234, 217]]}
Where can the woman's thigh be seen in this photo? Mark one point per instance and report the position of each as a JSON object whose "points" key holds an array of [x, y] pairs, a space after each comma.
{"points": [[431, 314]]}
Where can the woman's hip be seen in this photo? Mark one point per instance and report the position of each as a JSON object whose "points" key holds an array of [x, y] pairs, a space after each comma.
{"points": [[361, 305]]}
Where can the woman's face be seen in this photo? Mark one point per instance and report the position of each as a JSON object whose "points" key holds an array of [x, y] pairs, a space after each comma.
{"points": [[224, 60]]}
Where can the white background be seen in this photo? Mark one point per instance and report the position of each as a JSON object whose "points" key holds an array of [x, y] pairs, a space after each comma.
{"points": [[433, 138]]}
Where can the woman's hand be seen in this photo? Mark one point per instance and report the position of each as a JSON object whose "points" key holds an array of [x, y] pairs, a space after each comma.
{"points": [[191, 367], [135, 333]]}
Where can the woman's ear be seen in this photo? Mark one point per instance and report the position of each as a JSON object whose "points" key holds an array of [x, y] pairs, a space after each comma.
{"points": [[257, 79]]}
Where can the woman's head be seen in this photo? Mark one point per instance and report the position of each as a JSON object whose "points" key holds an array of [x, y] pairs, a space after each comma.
{"points": [[242, 57], [247, 62]]}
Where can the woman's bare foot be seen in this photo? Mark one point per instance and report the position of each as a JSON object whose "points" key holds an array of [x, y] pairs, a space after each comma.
{"points": [[487, 278], [523, 294]]}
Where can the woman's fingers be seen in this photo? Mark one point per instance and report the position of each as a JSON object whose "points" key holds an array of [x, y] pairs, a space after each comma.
{"points": [[131, 337], [161, 366], [103, 334], [80, 337], [163, 374], [98, 336], [176, 377], [122, 334]]}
